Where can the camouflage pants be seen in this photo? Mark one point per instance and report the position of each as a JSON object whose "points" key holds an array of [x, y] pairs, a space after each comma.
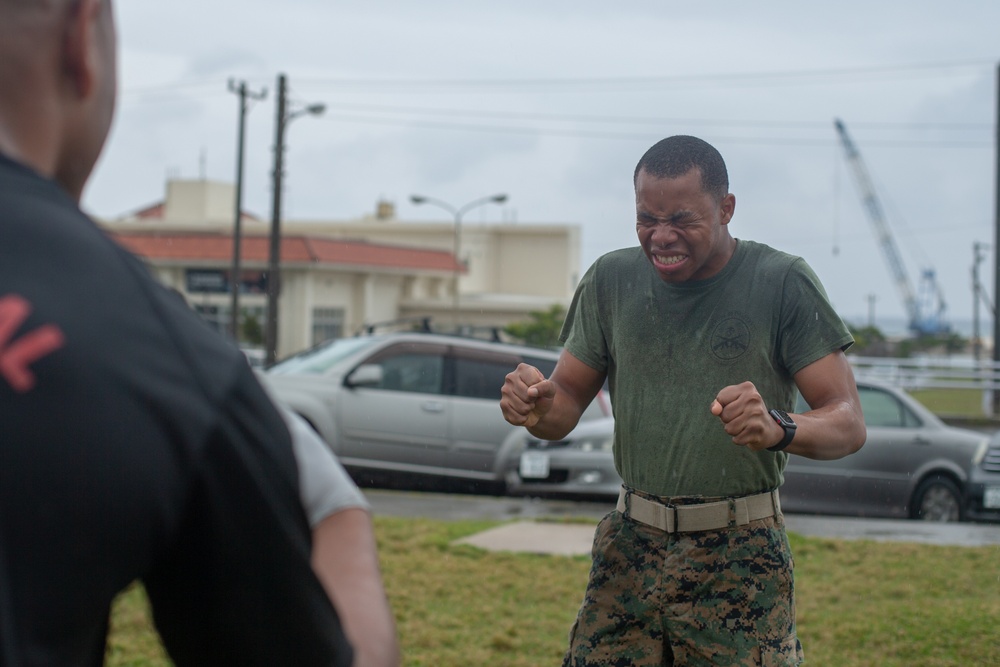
{"points": [[711, 598]]}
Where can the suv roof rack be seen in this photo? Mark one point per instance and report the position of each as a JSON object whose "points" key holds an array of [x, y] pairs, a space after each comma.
{"points": [[425, 325], [420, 324]]}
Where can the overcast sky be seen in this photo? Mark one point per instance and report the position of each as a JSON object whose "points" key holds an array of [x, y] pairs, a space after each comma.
{"points": [[553, 102]]}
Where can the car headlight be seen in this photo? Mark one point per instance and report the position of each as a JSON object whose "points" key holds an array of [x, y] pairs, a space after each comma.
{"points": [[594, 444], [984, 446]]}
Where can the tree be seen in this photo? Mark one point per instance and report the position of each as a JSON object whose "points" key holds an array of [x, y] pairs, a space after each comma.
{"points": [[869, 341], [542, 329], [253, 332]]}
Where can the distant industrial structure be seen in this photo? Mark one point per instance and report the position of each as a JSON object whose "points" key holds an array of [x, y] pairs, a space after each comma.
{"points": [[925, 308]]}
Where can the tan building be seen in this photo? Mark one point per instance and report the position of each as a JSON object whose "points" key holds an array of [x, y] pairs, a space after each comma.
{"points": [[338, 277]]}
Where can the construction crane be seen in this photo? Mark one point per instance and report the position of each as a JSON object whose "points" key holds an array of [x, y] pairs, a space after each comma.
{"points": [[926, 309]]}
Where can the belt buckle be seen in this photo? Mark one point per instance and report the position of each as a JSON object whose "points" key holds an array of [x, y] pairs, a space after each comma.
{"points": [[673, 514], [627, 502], [671, 517]]}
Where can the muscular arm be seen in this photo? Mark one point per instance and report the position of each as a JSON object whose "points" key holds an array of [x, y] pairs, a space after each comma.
{"points": [[344, 558], [835, 426], [550, 408], [832, 429]]}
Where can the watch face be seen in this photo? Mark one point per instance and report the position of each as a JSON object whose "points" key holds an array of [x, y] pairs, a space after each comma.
{"points": [[782, 418], [785, 422]]}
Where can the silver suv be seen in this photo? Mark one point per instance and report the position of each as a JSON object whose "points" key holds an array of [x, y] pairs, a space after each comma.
{"points": [[412, 402]]}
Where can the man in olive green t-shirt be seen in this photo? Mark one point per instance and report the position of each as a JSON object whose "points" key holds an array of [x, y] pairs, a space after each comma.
{"points": [[703, 340]]}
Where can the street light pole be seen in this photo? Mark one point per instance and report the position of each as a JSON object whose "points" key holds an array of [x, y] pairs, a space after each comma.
{"points": [[457, 213], [283, 118], [234, 275]]}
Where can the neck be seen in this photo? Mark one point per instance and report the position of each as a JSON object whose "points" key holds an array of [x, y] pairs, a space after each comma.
{"points": [[28, 136]]}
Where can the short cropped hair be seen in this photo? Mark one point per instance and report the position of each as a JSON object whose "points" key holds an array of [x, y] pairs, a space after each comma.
{"points": [[675, 156]]}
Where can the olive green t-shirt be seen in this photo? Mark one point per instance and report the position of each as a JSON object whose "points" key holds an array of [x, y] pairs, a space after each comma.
{"points": [[668, 349]]}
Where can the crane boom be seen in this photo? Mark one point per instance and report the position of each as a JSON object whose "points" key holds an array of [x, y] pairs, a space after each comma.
{"points": [[919, 322]]}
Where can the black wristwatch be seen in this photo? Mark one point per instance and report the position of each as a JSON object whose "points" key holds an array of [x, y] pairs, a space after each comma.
{"points": [[785, 422]]}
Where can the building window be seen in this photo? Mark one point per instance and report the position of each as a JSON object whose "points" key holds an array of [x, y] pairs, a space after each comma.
{"points": [[217, 281], [327, 323], [217, 317], [206, 280]]}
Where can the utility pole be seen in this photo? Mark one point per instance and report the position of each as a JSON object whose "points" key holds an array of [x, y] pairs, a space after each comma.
{"points": [[283, 118], [235, 281], [274, 257], [996, 245]]}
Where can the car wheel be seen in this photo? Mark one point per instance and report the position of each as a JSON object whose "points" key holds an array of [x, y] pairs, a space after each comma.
{"points": [[937, 499]]}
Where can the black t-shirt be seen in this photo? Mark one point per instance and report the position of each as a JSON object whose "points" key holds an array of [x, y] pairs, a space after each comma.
{"points": [[136, 443]]}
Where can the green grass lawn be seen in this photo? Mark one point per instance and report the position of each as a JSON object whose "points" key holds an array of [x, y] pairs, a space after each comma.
{"points": [[954, 402], [860, 604]]}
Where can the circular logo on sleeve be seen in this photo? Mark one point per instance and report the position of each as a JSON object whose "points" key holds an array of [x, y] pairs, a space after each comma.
{"points": [[730, 339]]}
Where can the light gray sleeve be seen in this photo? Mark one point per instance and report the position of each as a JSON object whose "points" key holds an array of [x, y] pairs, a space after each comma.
{"points": [[324, 485]]}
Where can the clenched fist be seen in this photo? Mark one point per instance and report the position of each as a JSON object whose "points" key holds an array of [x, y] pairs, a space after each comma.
{"points": [[744, 415], [526, 396]]}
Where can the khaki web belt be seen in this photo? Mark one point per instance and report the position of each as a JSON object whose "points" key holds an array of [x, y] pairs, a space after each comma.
{"points": [[728, 513]]}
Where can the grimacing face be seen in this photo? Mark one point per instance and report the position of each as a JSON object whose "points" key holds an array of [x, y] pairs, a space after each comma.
{"points": [[683, 229]]}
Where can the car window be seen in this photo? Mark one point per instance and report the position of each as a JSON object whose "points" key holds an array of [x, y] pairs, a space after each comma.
{"points": [[546, 366], [479, 373], [323, 357], [883, 409], [414, 372], [480, 378]]}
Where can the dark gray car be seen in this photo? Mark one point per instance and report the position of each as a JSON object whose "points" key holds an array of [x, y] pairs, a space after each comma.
{"points": [[422, 403], [912, 465]]}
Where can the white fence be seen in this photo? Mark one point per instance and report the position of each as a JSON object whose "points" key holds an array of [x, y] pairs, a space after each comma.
{"points": [[929, 372]]}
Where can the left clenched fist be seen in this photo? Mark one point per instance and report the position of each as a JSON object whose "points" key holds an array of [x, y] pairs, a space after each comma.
{"points": [[741, 409]]}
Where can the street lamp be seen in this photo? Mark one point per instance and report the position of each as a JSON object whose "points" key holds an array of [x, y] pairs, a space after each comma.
{"points": [[284, 117], [457, 213]]}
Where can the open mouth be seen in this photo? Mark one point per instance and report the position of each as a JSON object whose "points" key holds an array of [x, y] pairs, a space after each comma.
{"points": [[669, 260]]}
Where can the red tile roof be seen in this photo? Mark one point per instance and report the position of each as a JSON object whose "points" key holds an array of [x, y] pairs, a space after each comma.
{"points": [[294, 250], [155, 213]]}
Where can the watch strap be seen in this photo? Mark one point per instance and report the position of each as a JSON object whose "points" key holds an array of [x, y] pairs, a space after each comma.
{"points": [[788, 425]]}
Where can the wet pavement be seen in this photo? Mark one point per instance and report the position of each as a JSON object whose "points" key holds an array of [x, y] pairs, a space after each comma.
{"points": [[539, 525], [892, 530]]}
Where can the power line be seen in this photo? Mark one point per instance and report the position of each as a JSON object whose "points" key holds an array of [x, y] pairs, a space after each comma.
{"points": [[649, 120], [645, 136], [850, 74], [166, 88], [786, 77]]}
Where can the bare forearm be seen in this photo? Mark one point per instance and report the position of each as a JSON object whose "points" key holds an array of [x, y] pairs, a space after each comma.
{"points": [[346, 562], [559, 421], [831, 432]]}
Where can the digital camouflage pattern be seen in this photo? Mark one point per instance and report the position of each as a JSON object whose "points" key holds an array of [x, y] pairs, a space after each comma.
{"points": [[713, 598]]}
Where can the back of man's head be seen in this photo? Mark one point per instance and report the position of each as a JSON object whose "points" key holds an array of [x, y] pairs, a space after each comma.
{"points": [[675, 156], [28, 18], [57, 74]]}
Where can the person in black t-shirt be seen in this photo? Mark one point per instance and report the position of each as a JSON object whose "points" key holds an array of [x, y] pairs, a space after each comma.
{"points": [[134, 442]]}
